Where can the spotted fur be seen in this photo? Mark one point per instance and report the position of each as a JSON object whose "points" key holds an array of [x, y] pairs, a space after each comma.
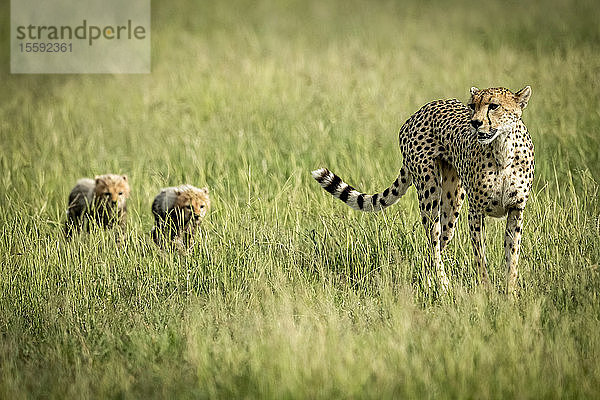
{"points": [[178, 212], [102, 200], [451, 150]]}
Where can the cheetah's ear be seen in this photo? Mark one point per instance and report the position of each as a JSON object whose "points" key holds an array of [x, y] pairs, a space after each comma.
{"points": [[98, 179], [124, 177], [205, 190], [522, 96], [474, 91]]}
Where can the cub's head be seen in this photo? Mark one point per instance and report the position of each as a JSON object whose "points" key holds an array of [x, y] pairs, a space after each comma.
{"points": [[192, 202], [112, 190], [496, 111]]}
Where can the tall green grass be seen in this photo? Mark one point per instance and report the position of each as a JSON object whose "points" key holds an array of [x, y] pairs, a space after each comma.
{"points": [[287, 292]]}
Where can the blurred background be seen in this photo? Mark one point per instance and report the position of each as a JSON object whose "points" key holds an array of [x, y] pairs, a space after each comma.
{"points": [[288, 292]]}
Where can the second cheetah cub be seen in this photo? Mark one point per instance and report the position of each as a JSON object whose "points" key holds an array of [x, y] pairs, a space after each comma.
{"points": [[178, 212]]}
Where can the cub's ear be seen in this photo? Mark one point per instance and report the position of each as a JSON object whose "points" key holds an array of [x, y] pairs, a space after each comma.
{"points": [[98, 179], [522, 96], [177, 192], [474, 91], [204, 189], [124, 177]]}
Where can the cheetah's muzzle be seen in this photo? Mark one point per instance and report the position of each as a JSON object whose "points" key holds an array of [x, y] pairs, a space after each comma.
{"points": [[486, 138]]}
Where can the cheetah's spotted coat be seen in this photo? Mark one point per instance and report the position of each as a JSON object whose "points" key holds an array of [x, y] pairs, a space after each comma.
{"points": [[449, 149]]}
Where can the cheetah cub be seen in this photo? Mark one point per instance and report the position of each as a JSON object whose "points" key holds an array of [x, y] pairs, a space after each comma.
{"points": [[102, 200], [450, 149], [178, 212]]}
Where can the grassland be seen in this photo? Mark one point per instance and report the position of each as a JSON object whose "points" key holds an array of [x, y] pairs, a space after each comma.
{"points": [[289, 294]]}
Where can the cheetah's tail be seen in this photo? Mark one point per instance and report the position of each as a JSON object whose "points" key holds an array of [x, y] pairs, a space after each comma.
{"points": [[360, 201]]}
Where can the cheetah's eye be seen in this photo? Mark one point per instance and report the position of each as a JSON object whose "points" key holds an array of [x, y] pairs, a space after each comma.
{"points": [[472, 106], [120, 193], [106, 194], [492, 106], [202, 206]]}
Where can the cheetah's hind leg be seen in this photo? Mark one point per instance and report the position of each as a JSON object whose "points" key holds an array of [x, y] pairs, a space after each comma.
{"points": [[429, 190], [452, 198]]}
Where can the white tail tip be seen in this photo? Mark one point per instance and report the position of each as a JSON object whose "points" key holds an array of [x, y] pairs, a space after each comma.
{"points": [[317, 173]]}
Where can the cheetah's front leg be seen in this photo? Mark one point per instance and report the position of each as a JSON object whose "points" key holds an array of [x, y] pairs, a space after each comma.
{"points": [[477, 230], [512, 244]]}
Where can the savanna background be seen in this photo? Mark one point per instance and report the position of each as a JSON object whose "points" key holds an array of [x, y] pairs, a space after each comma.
{"points": [[288, 293]]}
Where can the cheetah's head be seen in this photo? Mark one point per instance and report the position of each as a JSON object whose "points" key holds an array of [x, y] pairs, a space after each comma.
{"points": [[192, 202], [112, 190], [495, 111]]}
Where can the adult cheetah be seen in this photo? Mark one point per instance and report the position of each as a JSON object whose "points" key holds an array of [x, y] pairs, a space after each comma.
{"points": [[449, 149]]}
